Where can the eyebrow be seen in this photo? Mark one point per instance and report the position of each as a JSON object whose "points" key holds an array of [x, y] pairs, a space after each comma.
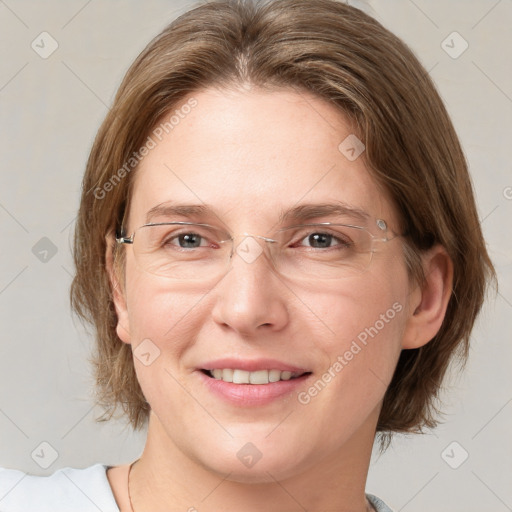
{"points": [[169, 209], [299, 213], [305, 212]]}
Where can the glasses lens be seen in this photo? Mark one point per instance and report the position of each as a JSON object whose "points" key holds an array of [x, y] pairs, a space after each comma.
{"points": [[202, 252], [317, 251], [182, 251]]}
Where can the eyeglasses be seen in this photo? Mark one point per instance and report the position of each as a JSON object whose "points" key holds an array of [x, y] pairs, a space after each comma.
{"points": [[190, 251]]}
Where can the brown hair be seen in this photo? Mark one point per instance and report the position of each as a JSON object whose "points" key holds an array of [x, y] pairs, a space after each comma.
{"points": [[347, 58]]}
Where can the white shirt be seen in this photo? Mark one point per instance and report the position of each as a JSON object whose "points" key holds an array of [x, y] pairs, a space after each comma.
{"points": [[71, 490]]}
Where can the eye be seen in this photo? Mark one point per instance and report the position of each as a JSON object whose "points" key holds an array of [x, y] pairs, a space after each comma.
{"points": [[321, 240], [187, 240]]}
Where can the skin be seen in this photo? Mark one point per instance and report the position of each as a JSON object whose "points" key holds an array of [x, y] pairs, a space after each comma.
{"points": [[249, 154]]}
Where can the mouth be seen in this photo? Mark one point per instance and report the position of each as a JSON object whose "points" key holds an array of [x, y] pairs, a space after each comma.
{"points": [[259, 377]]}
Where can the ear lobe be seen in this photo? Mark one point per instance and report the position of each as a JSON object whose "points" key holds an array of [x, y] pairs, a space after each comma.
{"points": [[118, 294], [429, 301]]}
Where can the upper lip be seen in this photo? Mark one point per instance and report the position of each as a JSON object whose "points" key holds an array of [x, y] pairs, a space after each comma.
{"points": [[251, 365]]}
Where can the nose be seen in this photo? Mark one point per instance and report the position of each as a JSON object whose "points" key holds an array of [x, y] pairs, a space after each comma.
{"points": [[251, 298]]}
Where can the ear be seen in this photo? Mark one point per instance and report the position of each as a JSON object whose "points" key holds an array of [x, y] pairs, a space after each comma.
{"points": [[118, 293], [428, 302]]}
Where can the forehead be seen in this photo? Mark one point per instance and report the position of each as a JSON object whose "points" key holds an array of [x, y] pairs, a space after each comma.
{"points": [[251, 155]]}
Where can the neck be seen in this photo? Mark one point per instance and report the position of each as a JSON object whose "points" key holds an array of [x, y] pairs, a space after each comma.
{"points": [[164, 474]]}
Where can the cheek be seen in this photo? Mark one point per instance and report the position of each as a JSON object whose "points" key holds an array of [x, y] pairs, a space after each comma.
{"points": [[362, 308], [163, 326], [366, 319], [159, 312]]}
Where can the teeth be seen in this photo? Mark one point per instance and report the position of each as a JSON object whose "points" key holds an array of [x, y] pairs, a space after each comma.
{"points": [[257, 377], [239, 376], [274, 375]]}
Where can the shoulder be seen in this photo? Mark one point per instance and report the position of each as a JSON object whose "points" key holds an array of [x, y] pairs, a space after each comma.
{"points": [[378, 504], [80, 490]]}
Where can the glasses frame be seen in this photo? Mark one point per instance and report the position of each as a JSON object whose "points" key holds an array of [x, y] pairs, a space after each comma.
{"points": [[381, 225]]}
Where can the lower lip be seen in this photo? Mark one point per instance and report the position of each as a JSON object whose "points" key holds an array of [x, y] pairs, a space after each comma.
{"points": [[252, 394]]}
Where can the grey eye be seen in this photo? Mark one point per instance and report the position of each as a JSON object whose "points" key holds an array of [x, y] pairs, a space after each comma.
{"points": [[320, 240], [187, 240]]}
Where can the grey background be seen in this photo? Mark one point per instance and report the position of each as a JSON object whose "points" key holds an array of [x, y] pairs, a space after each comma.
{"points": [[50, 111]]}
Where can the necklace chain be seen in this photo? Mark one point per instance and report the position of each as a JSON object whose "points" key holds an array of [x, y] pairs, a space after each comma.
{"points": [[129, 495]]}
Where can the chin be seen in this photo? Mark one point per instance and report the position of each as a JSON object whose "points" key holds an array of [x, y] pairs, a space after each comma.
{"points": [[256, 463]]}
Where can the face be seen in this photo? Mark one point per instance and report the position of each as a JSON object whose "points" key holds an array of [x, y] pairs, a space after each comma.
{"points": [[247, 157]]}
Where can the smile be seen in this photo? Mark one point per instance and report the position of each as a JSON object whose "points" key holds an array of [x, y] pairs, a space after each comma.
{"points": [[237, 376]]}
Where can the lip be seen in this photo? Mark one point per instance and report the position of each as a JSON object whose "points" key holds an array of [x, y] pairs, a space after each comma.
{"points": [[250, 395], [250, 365]]}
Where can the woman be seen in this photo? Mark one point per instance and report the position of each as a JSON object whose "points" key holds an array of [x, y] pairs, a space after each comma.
{"points": [[279, 249]]}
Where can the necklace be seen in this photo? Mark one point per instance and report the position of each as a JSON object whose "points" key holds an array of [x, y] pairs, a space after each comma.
{"points": [[129, 496], [369, 505]]}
